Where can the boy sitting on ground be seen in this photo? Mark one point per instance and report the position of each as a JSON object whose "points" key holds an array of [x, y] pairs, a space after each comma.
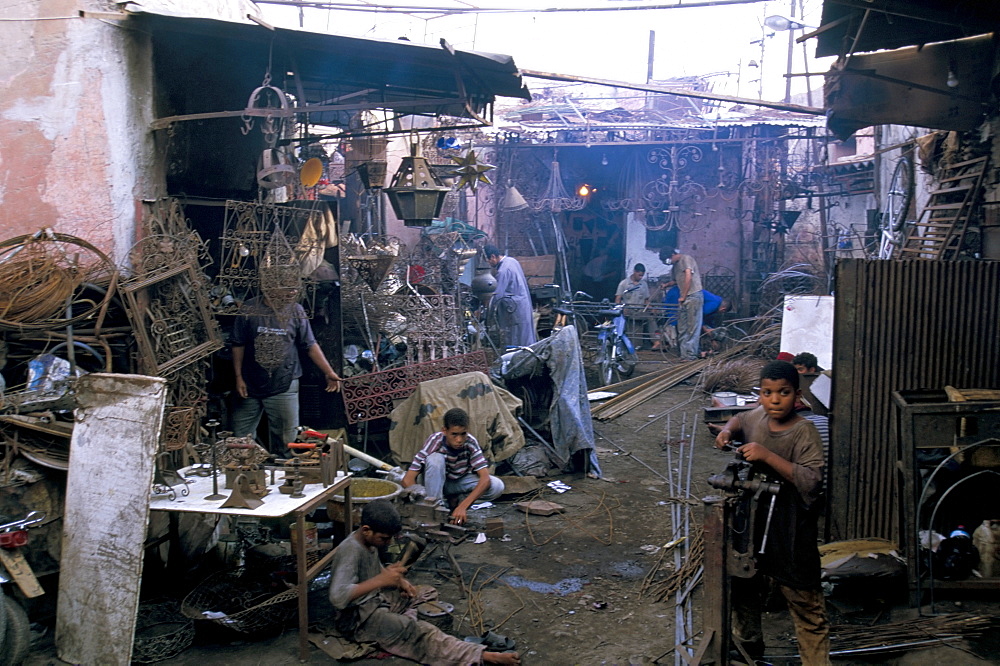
{"points": [[375, 604], [454, 467], [779, 442]]}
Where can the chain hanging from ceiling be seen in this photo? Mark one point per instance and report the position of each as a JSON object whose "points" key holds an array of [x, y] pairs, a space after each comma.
{"points": [[554, 198]]}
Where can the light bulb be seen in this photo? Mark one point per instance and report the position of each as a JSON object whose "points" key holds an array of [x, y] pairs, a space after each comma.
{"points": [[952, 80], [584, 190], [604, 160], [244, 250]]}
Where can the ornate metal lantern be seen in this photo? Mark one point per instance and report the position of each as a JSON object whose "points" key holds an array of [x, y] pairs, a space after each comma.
{"points": [[415, 193]]}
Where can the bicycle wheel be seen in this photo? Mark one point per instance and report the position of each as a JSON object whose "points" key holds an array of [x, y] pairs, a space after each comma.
{"points": [[897, 204]]}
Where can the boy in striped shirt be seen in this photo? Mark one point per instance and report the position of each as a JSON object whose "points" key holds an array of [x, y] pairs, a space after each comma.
{"points": [[454, 467]]}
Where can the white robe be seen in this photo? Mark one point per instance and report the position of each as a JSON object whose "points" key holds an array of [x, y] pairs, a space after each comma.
{"points": [[511, 305]]}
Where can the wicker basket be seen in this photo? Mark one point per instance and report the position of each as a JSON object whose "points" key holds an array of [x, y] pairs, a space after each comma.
{"points": [[241, 601], [161, 632]]}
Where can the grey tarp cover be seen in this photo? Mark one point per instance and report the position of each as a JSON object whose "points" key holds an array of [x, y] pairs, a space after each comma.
{"points": [[569, 414], [491, 410]]}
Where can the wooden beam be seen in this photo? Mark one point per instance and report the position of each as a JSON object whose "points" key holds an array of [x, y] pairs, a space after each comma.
{"points": [[163, 123]]}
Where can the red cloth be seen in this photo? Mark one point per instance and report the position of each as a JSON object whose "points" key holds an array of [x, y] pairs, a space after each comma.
{"points": [[784, 356]]}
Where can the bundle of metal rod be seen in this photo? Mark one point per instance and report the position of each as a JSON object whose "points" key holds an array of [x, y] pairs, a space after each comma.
{"points": [[658, 383], [928, 631], [682, 525]]}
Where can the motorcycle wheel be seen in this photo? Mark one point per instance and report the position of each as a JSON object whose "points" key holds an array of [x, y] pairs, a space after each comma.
{"points": [[624, 363], [16, 632]]}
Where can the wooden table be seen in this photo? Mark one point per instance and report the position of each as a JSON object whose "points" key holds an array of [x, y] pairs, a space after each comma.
{"points": [[276, 505]]}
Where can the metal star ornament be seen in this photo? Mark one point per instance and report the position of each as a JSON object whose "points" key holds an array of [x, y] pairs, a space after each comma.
{"points": [[472, 171]]}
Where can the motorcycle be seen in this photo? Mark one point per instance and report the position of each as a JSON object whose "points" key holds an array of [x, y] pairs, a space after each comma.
{"points": [[15, 630], [616, 358]]}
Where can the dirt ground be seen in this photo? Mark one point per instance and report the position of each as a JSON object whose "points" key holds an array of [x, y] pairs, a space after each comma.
{"points": [[567, 588]]}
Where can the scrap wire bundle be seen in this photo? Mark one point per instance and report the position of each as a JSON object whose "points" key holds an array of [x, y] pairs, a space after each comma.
{"points": [[34, 285], [40, 274], [907, 634], [739, 375], [662, 589]]}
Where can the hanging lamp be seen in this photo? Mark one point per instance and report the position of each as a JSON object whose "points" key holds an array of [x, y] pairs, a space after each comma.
{"points": [[416, 194]]}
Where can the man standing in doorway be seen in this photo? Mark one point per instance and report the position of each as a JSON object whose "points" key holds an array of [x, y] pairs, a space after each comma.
{"points": [[266, 345], [511, 302], [690, 301]]}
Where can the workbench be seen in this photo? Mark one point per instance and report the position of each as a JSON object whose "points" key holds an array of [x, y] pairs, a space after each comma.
{"points": [[276, 505]]}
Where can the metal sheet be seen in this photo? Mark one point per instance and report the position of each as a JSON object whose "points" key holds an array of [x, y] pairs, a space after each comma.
{"points": [[118, 421], [899, 325]]}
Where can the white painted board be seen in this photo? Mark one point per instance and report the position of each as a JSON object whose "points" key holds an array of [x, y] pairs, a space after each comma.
{"points": [[276, 503], [118, 421], [807, 326]]}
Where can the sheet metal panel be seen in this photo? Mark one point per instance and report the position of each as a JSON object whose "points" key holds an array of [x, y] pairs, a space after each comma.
{"points": [[899, 325]]}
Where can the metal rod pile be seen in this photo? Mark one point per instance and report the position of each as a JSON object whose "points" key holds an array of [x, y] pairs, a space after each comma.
{"points": [[657, 383], [920, 632], [686, 546]]}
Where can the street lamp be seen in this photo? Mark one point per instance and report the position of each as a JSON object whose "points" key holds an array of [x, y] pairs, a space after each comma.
{"points": [[782, 23]]}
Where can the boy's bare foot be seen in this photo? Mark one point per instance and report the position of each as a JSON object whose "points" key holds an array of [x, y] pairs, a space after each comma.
{"points": [[501, 658]]}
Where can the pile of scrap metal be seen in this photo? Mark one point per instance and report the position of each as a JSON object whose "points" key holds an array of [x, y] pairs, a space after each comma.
{"points": [[549, 376]]}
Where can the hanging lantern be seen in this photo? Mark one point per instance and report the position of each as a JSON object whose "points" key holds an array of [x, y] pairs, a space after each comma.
{"points": [[416, 195]]}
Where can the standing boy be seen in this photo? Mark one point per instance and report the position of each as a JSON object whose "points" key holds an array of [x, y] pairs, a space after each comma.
{"points": [[784, 445], [371, 600], [453, 466]]}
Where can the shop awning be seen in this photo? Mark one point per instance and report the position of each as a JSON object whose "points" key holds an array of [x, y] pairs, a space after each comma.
{"points": [[941, 86], [207, 68], [857, 26]]}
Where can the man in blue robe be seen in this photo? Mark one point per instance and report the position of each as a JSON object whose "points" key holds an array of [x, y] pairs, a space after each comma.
{"points": [[510, 305]]}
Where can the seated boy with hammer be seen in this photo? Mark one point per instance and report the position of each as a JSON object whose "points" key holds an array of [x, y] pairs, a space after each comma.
{"points": [[454, 467], [376, 604], [781, 443]]}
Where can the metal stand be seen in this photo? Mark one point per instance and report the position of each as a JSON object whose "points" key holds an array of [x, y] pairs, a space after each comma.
{"points": [[216, 495]]}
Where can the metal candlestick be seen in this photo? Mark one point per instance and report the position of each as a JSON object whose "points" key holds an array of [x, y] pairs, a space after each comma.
{"points": [[212, 425]]}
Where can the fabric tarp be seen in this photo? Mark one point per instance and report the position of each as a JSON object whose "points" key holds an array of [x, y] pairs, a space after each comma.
{"points": [[569, 413], [491, 409]]}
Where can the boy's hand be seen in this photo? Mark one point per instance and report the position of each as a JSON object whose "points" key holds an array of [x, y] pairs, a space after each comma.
{"points": [[723, 439], [407, 589], [393, 576], [754, 452], [459, 516]]}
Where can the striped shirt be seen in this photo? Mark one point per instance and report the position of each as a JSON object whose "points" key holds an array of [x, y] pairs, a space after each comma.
{"points": [[465, 460]]}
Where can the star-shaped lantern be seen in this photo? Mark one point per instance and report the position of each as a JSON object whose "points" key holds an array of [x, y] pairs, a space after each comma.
{"points": [[472, 171]]}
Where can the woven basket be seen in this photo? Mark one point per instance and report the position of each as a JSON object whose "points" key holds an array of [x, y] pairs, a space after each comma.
{"points": [[241, 601], [161, 632]]}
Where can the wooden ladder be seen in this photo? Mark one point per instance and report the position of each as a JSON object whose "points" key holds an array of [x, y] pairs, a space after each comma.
{"points": [[939, 231]]}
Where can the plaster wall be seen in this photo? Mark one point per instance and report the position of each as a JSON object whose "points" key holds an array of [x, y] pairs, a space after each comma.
{"points": [[74, 102], [713, 239]]}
